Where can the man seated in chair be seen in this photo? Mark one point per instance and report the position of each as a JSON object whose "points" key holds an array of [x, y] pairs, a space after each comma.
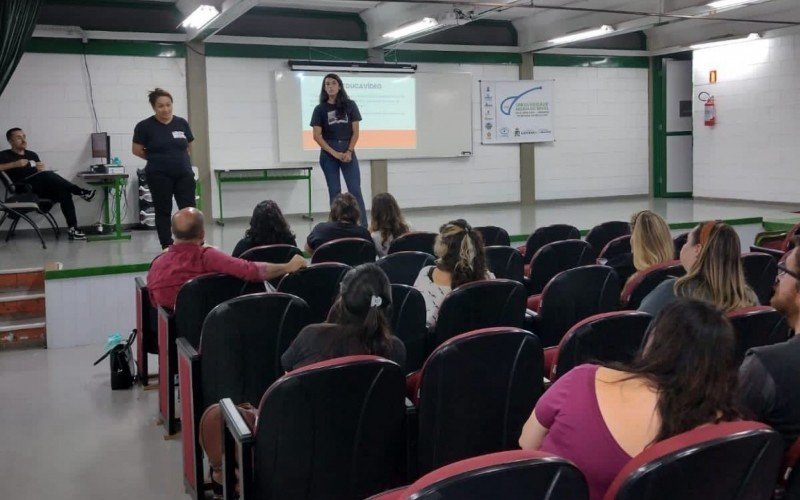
{"points": [[188, 258], [24, 166], [769, 374]]}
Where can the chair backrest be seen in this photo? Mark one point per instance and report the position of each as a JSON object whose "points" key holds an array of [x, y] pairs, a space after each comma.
{"points": [[756, 326], [408, 324], [607, 337], [505, 262], [548, 234], [403, 267], [331, 430], [510, 475], [788, 240], [476, 392], [731, 460], [637, 288], [573, 295], [620, 245], [414, 241], [198, 296], [318, 285], [480, 304], [679, 241], [760, 271], [791, 476], [558, 256], [350, 251], [242, 342], [599, 236], [277, 254], [493, 235]]}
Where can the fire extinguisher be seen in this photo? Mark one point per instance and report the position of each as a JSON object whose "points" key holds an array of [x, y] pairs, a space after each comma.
{"points": [[709, 110]]}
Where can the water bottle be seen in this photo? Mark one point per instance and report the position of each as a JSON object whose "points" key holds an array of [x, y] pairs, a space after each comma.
{"points": [[116, 161]]}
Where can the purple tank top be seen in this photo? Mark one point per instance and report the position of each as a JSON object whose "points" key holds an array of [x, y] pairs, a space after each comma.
{"points": [[577, 430]]}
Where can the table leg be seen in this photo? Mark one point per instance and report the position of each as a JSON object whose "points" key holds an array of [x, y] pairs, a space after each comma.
{"points": [[309, 216], [118, 207], [221, 219], [106, 208]]}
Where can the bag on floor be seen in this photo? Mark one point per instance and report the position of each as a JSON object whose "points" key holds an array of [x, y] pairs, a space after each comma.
{"points": [[120, 356]]}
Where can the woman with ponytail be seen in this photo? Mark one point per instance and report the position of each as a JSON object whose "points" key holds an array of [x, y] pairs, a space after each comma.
{"points": [[358, 323], [460, 258]]}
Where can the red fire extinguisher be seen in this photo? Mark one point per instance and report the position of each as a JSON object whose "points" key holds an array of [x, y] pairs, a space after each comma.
{"points": [[709, 110]]}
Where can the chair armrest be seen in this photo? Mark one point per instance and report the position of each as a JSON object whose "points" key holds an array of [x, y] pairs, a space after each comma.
{"points": [[778, 254], [139, 282], [237, 444], [185, 349], [531, 321], [412, 441], [190, 386]]}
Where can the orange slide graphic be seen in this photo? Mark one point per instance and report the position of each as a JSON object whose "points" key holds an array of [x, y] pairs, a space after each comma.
{"points": [[374, 139]]}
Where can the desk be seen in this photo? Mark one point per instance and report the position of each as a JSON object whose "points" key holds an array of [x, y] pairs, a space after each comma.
{"points": [[109, 181], [262, 175]]}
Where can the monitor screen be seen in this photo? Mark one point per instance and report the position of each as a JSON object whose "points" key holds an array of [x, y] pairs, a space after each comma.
{"points": [[100, 145]]}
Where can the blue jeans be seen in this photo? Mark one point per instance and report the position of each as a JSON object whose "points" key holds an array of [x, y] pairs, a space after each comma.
{"points": [[352, 176]]}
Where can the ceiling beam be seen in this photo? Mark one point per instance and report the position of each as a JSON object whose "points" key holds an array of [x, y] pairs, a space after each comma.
{"points": [[230, 10]]}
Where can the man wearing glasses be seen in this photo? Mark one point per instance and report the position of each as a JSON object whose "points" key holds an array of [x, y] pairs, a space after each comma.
{"points": [[769, 374]]}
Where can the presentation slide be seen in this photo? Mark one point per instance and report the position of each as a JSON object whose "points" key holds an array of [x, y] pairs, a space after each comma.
{"points": [[387, 104]]}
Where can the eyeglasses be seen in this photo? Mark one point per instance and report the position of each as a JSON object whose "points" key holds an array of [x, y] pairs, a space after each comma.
{"points": [[782, 269]]}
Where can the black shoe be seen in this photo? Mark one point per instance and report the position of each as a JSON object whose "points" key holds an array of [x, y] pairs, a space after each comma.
{"points": [[88, 195], [75, 234]]}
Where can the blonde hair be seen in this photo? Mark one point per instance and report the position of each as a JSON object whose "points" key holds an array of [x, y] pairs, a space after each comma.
{"points": [[651, 242], [459, 250], [717, 275]]}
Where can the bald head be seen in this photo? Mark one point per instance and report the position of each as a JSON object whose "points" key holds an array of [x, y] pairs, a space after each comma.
{"points": [[187, 226]]}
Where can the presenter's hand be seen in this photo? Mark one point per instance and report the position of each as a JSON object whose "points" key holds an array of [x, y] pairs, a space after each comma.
{"points": [[347, 156]]}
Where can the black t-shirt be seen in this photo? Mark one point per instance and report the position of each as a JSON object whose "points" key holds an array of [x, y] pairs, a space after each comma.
{"points": [[329, 231], [247, 243], [19, 174], [335, 127], [313, 344], [166, 145]]}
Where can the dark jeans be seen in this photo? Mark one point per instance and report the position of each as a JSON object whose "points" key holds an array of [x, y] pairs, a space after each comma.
{"points": [[50, 185], [163, 186], [352, 176]]}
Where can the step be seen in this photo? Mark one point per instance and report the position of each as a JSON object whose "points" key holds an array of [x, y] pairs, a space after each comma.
{"points": [[19, 322], [22, 339], [20, 294], [22, 279]]}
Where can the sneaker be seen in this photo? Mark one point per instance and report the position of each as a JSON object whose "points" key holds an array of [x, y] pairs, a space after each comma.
{"points": [[88, 195], [75, 234]]}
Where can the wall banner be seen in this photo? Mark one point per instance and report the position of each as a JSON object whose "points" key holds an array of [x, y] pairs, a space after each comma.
{"points": [[516, 111]]}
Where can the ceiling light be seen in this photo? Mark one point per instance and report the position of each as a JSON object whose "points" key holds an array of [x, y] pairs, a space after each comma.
{"points": [[724, 4], [583, 35], [200, 17], [707, 45], [425, 24]]}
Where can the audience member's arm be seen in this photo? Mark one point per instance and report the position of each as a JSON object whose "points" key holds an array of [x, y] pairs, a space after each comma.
{"points": [[757, 387], [15, 164], [533, 433], [221, 262], [138, 150]]}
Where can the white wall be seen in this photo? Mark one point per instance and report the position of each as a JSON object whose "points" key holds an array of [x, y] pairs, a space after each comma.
{"points": [[48, 96], [601, 130], [752, 151]]}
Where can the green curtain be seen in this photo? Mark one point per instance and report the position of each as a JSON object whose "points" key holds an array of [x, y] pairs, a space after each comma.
{"points": [[17, 21]]}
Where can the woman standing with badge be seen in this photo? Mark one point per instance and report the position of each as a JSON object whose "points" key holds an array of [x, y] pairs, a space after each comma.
{"points": [[164, 141], [335, 122]]}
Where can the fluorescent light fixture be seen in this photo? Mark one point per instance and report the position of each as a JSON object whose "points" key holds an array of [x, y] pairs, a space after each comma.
{"points": [[583, 35], [424, 24], [708, 45], [724, 4], [200, 17], [351, 67]]}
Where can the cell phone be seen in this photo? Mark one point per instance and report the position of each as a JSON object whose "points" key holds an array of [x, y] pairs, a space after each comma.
{"points": [[33, 163]]}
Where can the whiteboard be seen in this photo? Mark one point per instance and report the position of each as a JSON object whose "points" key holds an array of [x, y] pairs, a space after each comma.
{"points": [[443, 118]]}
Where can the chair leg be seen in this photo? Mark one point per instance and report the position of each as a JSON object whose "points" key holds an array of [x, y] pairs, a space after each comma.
{"points": [[12, 228], [49, 218], [5, 216], [35, 228]]}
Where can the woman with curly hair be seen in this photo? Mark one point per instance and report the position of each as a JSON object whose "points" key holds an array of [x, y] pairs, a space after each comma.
{"points": [[267, 227], [386, 222]]}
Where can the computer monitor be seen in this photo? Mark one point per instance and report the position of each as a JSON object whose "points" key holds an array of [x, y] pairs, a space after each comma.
{"points": [[101, 146]]}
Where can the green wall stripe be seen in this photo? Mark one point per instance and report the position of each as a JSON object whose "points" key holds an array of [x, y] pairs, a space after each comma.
{"points": [[591, 61], [285, 52], [96, 271], [106, 47]]}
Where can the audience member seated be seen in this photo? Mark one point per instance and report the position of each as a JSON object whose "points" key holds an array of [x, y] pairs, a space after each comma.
{"points": [[267, 227], [386, 222], [24, 166], [343, 222], [358, 324], [712, 259], [188, 258], [651, 242], [600, 417], [460, 258], [769, 374]]}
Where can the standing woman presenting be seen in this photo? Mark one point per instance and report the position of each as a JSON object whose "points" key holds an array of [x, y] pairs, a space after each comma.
{"points": [[164, 140], [335, 121]]}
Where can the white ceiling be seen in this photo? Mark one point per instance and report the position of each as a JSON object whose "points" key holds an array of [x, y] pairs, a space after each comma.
{"points": [[666, 23]]}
